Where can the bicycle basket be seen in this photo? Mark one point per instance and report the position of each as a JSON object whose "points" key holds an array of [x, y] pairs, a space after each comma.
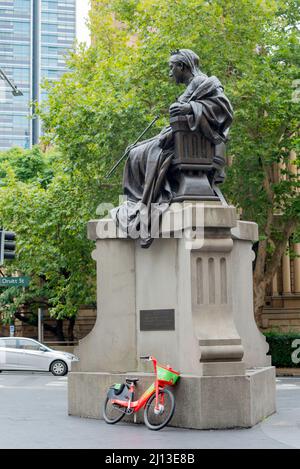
{"points": [[118, 391], [167, 374], [118, 388]]}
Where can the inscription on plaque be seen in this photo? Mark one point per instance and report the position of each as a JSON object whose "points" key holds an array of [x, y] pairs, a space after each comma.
{"points": [[157, 320]]}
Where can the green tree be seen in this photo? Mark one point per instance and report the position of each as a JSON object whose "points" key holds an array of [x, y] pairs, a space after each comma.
{"points": [[115, 87], [28, 165], [263, 180], [48, 211]]}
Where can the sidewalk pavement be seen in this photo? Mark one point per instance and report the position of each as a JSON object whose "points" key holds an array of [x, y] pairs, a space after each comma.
{"points": [[33, 409]]}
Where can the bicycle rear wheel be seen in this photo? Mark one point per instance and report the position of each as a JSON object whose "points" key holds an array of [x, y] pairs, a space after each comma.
{"points": [[111, 412], [156, 420]]}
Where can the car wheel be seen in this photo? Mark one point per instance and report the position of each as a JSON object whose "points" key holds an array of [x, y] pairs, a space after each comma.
{"points": [[59, 368]]}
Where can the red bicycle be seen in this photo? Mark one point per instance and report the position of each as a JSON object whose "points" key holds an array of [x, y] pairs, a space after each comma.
{"points": [[158, 401]]}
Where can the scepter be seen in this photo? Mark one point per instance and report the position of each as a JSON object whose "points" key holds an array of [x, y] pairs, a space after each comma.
{"points": [[130, 147]]}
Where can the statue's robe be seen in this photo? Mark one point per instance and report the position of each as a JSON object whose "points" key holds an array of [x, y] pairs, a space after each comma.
{"points": [[146, 184]]}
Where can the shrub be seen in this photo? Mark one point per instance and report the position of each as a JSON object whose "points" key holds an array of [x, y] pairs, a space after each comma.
{"points": [[282, 347]]}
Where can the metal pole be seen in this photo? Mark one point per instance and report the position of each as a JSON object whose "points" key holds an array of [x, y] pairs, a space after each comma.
{"points": [[40, 325], [36, 67], [11, 330], [2, 238]]}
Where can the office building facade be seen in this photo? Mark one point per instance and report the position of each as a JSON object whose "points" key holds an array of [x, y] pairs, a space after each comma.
{"points": [[35, 38]]}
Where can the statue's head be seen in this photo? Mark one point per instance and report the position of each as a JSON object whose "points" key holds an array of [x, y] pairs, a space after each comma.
{"points": [[183, 62]]}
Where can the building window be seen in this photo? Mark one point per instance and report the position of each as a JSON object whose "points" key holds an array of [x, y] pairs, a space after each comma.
{"points": [[5, 35], [47, 16], [21, 74], [21, 28], [49, 5], [51, 74], [50, 50], [21, 49], [23, 5], [49, 39], [52, 28], [20, 121], [49, 62]]}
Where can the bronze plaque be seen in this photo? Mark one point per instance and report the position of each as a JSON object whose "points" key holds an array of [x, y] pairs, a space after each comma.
{"points": [[157, 320]]}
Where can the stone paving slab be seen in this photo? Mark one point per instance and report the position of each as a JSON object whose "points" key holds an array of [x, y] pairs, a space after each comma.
{"points": [[33, 409]]}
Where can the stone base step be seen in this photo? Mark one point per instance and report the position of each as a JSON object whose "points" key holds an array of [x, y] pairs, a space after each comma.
{"points": [[202, 402]]}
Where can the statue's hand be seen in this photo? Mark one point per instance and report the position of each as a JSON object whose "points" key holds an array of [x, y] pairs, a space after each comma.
{"points": [[177, 109]]}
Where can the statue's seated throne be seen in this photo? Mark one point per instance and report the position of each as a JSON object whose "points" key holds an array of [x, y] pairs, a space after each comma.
{"points": [[195, 166]]}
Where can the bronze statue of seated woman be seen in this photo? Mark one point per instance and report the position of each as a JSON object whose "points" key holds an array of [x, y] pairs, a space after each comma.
{"points": [[185, 159]]}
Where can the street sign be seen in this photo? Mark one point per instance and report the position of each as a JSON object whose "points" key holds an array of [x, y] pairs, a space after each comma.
{"points": [[11, 330], [14, 281]]}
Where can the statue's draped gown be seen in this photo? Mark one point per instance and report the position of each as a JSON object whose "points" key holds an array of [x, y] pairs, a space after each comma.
{"points": [[146, 184]]}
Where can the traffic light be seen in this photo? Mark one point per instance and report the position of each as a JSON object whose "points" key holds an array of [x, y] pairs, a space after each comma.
{"points": [[7, 245]]}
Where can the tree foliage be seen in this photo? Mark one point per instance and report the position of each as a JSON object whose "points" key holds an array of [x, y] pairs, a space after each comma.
{"points": [[41, 203], [116, 87], [118, 84]]}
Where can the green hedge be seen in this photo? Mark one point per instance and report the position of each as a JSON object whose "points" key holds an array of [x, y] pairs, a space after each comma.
{"points": [[281, 349]]}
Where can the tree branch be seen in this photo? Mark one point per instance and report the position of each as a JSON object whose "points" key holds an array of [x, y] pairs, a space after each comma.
{"points": [[275, 260], [260, 265]]}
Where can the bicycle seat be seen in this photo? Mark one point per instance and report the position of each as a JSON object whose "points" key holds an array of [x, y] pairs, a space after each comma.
{"points": [[132, 380]]}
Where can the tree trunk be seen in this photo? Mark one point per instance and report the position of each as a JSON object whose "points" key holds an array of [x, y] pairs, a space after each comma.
{"points": [[71, 329], [59, 330], [265, 271], [53, 329], [259, 300]]}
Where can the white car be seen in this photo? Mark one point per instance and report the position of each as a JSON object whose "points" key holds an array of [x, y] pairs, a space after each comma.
{"points": [[18, 353]]}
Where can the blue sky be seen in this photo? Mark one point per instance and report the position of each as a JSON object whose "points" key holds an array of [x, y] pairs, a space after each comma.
{"points": [[82, 13]]}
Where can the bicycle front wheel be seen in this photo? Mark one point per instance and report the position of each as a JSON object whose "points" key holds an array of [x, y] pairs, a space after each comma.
{"points": [[111, 412], [156, 419]]}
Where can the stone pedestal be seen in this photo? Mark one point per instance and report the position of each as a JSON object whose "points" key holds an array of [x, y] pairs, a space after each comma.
{"points": [[202, 402], [188, 301]]}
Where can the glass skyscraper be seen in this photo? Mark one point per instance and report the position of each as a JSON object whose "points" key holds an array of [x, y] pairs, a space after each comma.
{"points": [[35, 36]]}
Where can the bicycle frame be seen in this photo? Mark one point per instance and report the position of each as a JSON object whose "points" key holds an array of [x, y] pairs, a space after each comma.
{"points": [[154, 388], [136, 405]]}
